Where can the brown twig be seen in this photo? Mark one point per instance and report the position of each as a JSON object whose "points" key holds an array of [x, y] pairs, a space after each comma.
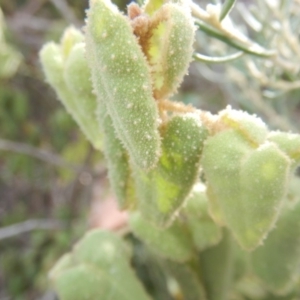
{"points": [[177, 107]]}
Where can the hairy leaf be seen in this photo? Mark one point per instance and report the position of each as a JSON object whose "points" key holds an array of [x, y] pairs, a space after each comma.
{"points": [[264, 177], [277, 261], [204, 231], [170, 51], [173, 242], [217, 269], [100, 270], [248, 185], [188, 280], [162, 191], [77, 77], [121, 79], [289, 143], [73, 89], [118, 161]]}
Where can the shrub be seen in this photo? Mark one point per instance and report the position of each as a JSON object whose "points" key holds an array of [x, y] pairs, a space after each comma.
{"points": [[209, 195]]}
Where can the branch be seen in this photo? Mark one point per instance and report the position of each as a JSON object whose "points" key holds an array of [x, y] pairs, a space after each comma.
{"points": [[226, 8], [27, 226], [223, 59], [44, 155], [209, 22], [66, 12]]}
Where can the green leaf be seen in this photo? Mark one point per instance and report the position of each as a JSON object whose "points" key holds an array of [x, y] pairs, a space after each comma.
{"points": [[289, 143], [248, 185], [118, 161], [221, 161], [77, 77], [217, 269], [187, 279], [162, 191], [70, 38], [10, 60], [67, 72], [252, 128], [151, 6], [173, 243], [82, 282], [214, 207], [53, 66], [110, 249], [65, 262], [277, 261], [99, 270], [204, 231], [121, 78], [168, 58], [264, 177], [249, 287], [241, 262]]}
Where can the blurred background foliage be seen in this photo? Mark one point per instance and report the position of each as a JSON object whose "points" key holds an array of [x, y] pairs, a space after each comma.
{"points": [[51, 178], [47, 168]]}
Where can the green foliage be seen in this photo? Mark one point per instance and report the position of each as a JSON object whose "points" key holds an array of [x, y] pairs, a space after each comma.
{"points": [[118, 161], [90, 274], [10, 58], [71, 81], [168, 58], [203, 229], [216, 265], [208, 195], [254, 182], [277, 261], [162, 191], [121, 79], [177, 244], [187, 279]]}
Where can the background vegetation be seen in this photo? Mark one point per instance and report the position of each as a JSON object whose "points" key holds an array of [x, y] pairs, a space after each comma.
{"points": [[52, 182]]}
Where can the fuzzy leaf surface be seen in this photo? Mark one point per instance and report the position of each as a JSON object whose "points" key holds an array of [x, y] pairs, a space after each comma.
{"points": [[247, 184], [100, 270], [67, 72], [172, 243], [121, 78], [171, 48], [204, 231], [190, 285], [277, 261], [119, 170], [217, 269], [162, 191]]}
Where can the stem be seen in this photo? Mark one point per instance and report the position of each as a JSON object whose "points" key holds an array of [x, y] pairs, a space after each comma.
{"points": [[226, 32], [226, 8], [210, 59], [178, 107], [27, 226], [43, 155], [253, 48]]}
